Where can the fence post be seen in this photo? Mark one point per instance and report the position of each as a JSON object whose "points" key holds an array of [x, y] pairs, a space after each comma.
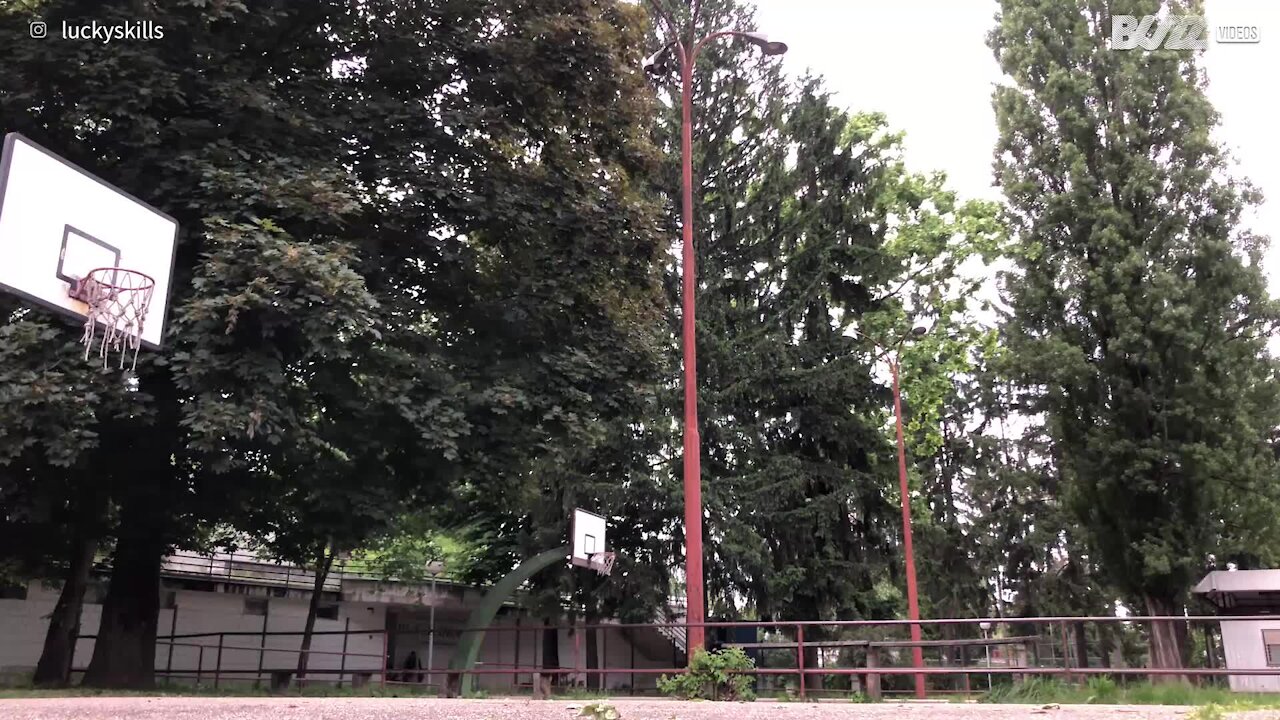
{"points": [[217, 669], [173, 630], [200, 664], [873, 678], [342, 663], [262, 642], [1066, 649], [800, 657], [964, 663]]}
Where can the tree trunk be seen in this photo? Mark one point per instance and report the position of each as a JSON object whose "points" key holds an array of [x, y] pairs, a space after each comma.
{"points": [[1163, 639], [324, 561], [124, 654], [54, 667], [592, 639]]}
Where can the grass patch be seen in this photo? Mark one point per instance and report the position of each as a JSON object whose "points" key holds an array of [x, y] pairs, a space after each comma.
{"points": [[1101, 690]]}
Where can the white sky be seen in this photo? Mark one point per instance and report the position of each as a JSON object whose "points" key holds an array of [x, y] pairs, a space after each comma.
{"points": [[926, 65]]}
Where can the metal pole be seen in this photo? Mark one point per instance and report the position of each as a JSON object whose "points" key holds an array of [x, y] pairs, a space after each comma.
{"points": [[987, 645], [913, 602], [384, 655], [200, 664], [173, 630], [695, 614], [262, 642], [342, 663], [217, 669], [431, 632]]}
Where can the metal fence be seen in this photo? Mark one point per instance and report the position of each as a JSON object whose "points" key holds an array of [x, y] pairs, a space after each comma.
{"points": [[959, 662], [247, 568], [807, 658], [356, 668]]}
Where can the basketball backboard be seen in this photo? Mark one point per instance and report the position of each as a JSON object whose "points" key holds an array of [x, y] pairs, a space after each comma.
{"points": [[58, 222], [588, 534]]}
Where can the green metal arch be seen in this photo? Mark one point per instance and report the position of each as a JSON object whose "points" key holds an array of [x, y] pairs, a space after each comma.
{"points": [[482, 617]]}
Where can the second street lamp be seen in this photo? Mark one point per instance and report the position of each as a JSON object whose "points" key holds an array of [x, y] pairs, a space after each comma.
{"points": [[913, 600], [682, 52]]}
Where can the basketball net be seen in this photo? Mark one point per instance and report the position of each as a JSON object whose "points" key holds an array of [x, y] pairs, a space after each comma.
{"points": [[601, 562], [118, 300]]}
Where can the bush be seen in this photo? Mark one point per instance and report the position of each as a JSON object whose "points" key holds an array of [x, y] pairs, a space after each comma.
{"points": [[712, 676]]}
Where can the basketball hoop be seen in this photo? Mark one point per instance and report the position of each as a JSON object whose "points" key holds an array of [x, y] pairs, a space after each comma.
{"points": [[601, 562], [118, 299]]}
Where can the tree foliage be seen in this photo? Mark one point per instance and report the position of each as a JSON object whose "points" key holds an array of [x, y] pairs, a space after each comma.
{"points": [[1140, 313]]}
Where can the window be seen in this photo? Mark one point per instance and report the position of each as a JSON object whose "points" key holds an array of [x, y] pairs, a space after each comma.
{"points": [[327, 612], [1271, 643], [255, 606]]}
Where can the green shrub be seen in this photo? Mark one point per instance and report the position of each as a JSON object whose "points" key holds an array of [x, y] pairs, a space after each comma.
{"points": [[712, 676]]}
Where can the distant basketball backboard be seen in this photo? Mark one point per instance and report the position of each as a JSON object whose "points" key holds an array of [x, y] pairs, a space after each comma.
{"points": [[58, 223], [588, 533]]}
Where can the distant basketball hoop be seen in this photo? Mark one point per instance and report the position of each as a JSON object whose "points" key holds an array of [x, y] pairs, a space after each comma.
{"points": [[118, 300], [602, 562]]}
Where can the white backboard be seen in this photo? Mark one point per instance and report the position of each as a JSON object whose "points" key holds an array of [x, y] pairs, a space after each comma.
{"points": [[588, 535], [57, 222]]}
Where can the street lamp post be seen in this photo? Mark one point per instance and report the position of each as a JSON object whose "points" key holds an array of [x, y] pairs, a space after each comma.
{"points": [[913, 599], [686, 54]]}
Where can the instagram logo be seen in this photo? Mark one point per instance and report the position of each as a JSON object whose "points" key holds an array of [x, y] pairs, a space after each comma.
{"points": [[38, 29]]}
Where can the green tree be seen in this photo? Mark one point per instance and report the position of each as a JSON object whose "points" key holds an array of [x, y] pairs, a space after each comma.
{"points": [[1139, 307], [462, 252], [809, 229]]}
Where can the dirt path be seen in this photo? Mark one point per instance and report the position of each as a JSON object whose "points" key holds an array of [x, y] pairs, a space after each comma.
{"points": [[194, 708]]}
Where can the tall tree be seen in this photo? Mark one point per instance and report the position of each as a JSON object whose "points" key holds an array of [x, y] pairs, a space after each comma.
{"points": [[404, 159], [1140, 313]]}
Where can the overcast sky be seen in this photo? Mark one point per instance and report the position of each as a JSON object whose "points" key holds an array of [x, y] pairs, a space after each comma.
{"points": [[926, 65]]}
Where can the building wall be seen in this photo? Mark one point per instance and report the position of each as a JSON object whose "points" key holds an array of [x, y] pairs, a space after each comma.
{"points": [[1242, 645], [504, 649], [23, 624]]}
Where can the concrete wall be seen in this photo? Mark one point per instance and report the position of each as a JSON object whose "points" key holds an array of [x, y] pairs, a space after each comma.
{"points": [[1242, 645], [23, 624]]}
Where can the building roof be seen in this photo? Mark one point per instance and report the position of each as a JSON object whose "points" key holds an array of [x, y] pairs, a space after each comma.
{"points": [[1241, 589]]}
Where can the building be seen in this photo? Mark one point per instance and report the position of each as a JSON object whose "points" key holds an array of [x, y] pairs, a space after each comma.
{"points": [[1250, 644], [229, 618]]}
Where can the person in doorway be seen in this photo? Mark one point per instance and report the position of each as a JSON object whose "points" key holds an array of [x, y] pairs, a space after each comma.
{"points": [[412, 663]]}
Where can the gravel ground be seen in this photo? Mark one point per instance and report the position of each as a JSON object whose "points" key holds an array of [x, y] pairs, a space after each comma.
{"points": [[170, 708]]}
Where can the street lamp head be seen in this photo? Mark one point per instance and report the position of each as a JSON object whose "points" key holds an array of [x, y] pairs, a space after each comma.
{"points": [[660, 63], [762, 41], [919, 330], [985, 626]]}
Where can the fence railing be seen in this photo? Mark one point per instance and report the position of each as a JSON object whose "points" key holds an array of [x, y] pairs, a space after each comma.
{"points": [[807, 658], [210, 650], [991, 650], [247, 568]]}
